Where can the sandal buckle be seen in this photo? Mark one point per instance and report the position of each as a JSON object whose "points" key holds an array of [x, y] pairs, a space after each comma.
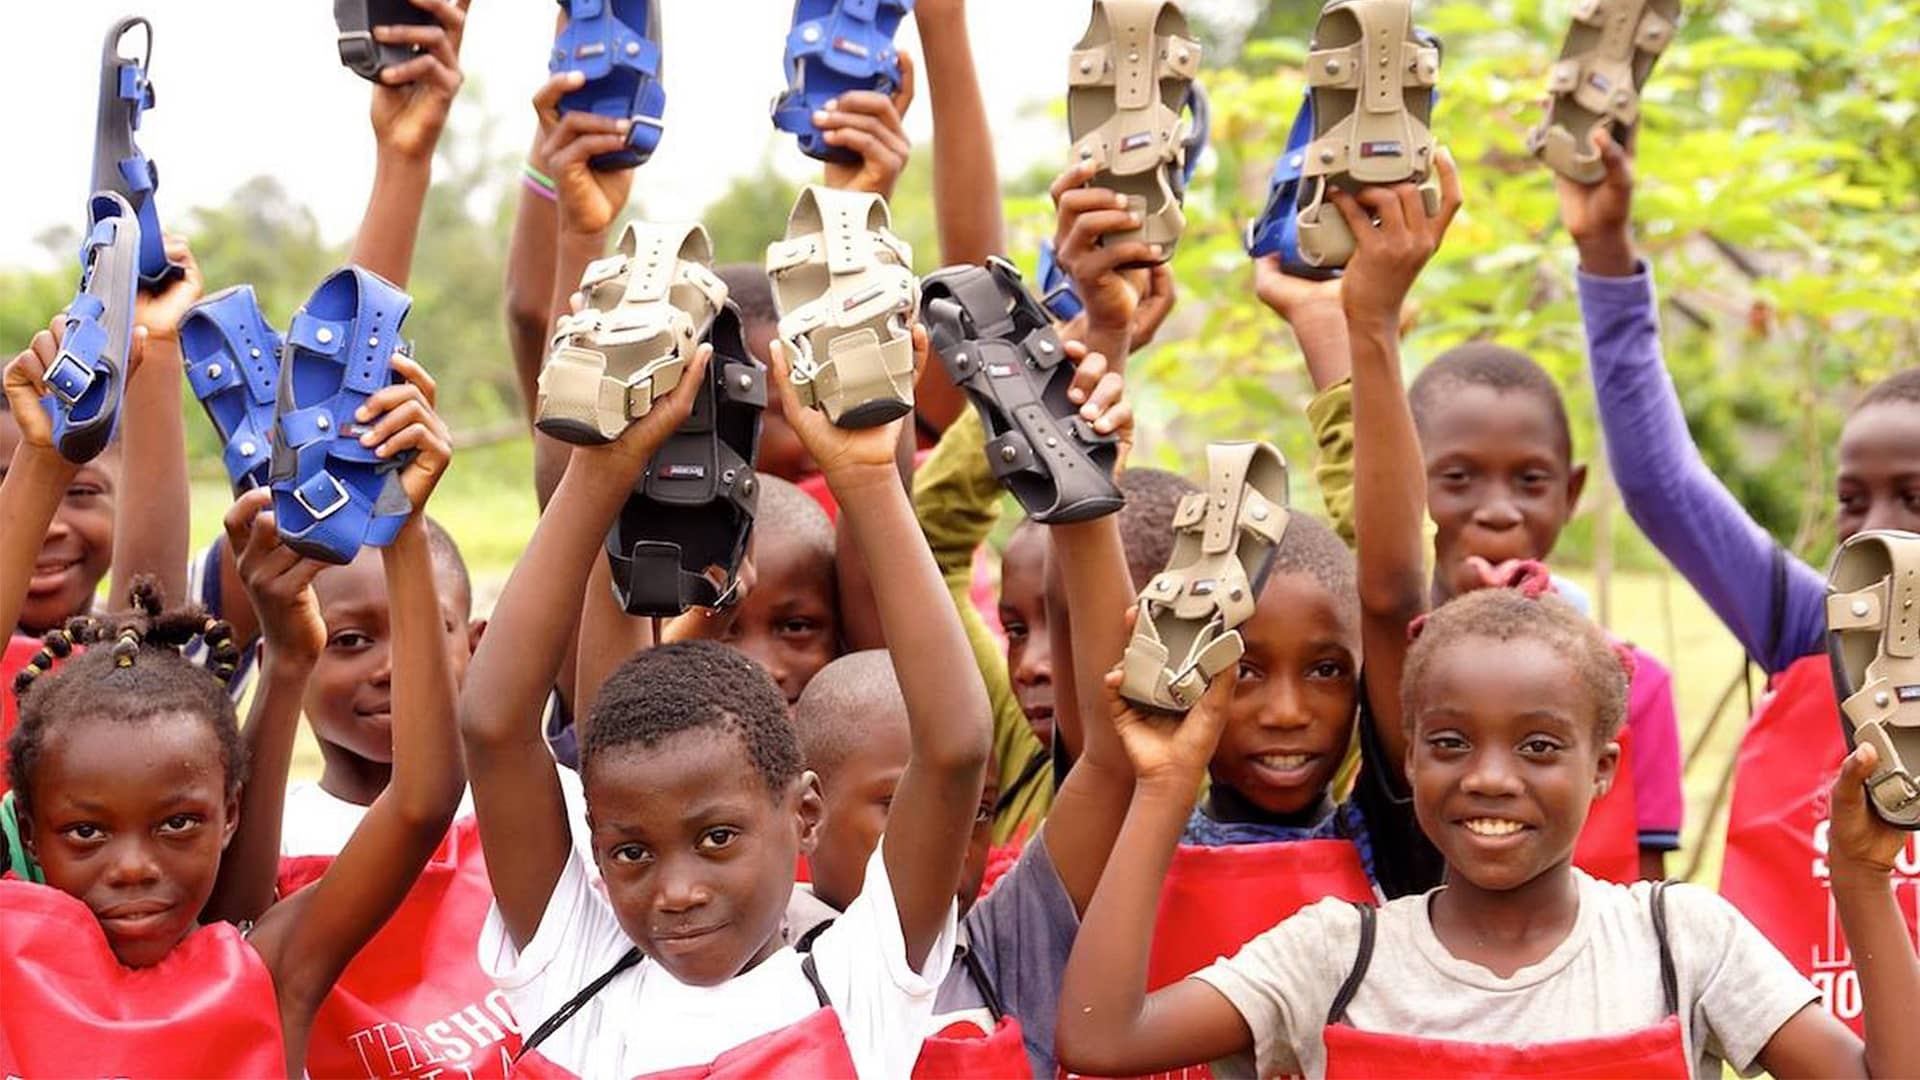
{"points": [[1905, 792], [69, 378], [322, 513], [356, 47]]}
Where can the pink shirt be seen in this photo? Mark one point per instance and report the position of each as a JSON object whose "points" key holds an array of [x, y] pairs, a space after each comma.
{"points": [[1659, 805]]}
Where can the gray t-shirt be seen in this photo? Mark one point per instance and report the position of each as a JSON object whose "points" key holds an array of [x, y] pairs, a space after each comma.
{"points": [[1022, 934], [1736, 990]]}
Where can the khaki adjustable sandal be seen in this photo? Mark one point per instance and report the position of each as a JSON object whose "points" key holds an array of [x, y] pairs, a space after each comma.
{"points": [[1128, 84], [1224, 542], [845, 290], [647, 307], [1873, 635], [1609, 52], [1371, 75]]}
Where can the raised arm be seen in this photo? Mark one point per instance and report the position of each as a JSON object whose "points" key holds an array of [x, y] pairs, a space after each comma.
{"points": [[939, 793], [1109, 1025], [309, 940], [1390, 493], [966, 179], [1083, 215], [1314, 312], [1673, 496], [531, 253], [152, 527], [410, 106], [516, 791]]}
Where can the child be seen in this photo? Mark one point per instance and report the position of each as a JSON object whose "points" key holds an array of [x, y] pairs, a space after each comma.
{"points": [[699, 807], [127, 768], [1774, 604]]}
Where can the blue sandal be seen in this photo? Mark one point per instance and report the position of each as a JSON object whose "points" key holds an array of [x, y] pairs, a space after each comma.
{"points": [[330, 494], [1057, 293], [1276, 231], [1199, 127], [233, 365], [617, 45], [836, 46], [88, 379], [355, 19], [118, 164]]}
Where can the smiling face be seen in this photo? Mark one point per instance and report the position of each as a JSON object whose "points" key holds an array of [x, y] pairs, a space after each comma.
{"points": [[1505, 758], [789, 622], [1023, 614], [131, 818], [1879, 476], [696, 853], [1293, 709], [78, 547], [1500, 484]]}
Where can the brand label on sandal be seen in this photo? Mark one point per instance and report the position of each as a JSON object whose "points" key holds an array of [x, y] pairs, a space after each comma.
{"points": [[1907, 693], [1139, 141], [1599, 82], [862, 297], [1000, 371], [684, 472], [848, 45], [1382, 149]]}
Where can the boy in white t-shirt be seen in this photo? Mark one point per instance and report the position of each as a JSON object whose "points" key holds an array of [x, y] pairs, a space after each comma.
{"points": [[699, 806]]}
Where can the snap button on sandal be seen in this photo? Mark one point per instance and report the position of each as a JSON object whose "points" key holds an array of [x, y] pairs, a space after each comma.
{"points": [[88, 379], [999, 346], [1873, 635], [836, 46], [1608, 55], [681, 537], [617, 45], [1128, 84], [118, 164], [332, 495], [648, 306], [233, 365], [844, 286], [1224, 542], [1371, 74]]}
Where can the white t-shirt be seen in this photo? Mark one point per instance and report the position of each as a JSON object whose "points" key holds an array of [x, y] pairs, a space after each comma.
{"points": [[646, 1021], [317, 823], [1736, 990]]}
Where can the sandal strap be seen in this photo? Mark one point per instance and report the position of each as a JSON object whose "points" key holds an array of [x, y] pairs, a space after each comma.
{"points": [[848, 40]]}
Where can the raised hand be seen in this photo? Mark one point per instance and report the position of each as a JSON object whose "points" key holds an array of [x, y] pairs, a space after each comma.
{"points": [[1860, 844], [842, 452], [160, 313], [1599, 216], [278, 581], [412, 99], [1171, 752], [1085, 215], [1101, 394], [869, 124], [401, 417], [588, 200], [1388, 256], [26, 381]]}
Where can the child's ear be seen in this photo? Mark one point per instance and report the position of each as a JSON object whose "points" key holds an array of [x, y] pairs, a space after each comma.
{"points": [[1609, 764], [475, 631], [1576, 483], [809, 808], [233, 820]]}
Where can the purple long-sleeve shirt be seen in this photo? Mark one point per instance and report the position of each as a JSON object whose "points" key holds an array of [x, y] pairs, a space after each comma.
{"points": [[1677, 501]]}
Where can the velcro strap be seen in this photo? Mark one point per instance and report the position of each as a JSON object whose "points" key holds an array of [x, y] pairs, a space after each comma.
{"points": [[1190, 511], [246, 451], [1260, 517], [323, 336], [1421, 64], [1181, 55], [784, 255], [651, 570], [1862, 610], [601, 271], [1337, 68], [137, 172]]}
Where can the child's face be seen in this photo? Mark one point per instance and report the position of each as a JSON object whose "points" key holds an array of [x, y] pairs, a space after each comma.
{"points": [[131, 819], [1504, 760], [781, 452], [349, 696], [696, 853], [78, 547], [1023, 614], [858, 795], [1499, 484], [789, 622], [1879, 479], [1293, 710]]}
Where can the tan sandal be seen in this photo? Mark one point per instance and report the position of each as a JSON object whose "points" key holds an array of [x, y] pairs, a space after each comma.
{"points": [[1128, 84], [647, 309], [1608, 55], [1873, 634], [1371, 75], [845, 290], [1225, 538]]}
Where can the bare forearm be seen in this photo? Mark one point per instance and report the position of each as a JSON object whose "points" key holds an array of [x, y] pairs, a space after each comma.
{"points": [[36, 482], [151, 536], [250, 868], [1114, 343], [608, 635], [531, 255], [966, 187], [1389, 511], [391, 224], [427, 776], [1883, 955], [1321, 332]]}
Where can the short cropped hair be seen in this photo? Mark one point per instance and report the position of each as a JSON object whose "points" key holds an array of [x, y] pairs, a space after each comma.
{"points": [[448, 560], [1503, 370], [695, 686], [1902, 387], [1146, 521], [840, 706], [1311, 547], [793, 515], [750, 291]]}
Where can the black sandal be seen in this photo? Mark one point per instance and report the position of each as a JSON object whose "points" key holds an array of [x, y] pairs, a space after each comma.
{"points": [[1000, 347], [355, 20], [683, 533]]}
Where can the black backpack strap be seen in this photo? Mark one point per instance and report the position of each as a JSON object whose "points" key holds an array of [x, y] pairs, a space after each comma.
{"points": [[1028, 774], [1669, 979], [1363, 959], [579, 1001], [1777, 622], [804, 943], [977, 975], [812, 973]]}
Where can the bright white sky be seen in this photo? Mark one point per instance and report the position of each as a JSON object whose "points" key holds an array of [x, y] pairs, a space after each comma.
{"points": [[247, 87]]}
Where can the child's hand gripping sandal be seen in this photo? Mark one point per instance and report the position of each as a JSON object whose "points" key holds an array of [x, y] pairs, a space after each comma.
{"points": [[1224, 542], [836, 46], [1276, 231], [647, 307], [617, 45], [88, 378], [118, 164], [1609, 52], [845, 289], [1371, 75], [233, 364], [1057, 293], [999, 346], [1873, 635], [1128, 84], [330, 494], [680, 539], [355, 20]]}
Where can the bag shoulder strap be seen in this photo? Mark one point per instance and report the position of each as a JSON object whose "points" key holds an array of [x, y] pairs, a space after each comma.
{"points": [[977, 975], [1669, 978], [579, 1001], [1363, 959]]}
